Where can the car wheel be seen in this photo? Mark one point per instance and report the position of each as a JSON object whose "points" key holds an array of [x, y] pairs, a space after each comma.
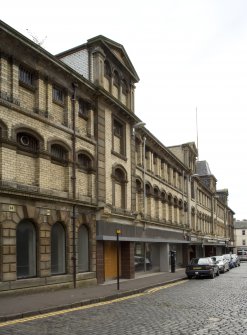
{"points": [[189, 277], [218, 273]]}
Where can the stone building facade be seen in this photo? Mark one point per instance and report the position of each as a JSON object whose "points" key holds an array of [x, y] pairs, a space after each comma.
{"points": [[78, 169]]}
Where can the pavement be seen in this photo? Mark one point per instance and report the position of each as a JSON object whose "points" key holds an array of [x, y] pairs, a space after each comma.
{"points": [[30, 304]]}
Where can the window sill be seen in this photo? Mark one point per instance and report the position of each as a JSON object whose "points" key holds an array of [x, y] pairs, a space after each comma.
{"points": [[119, 155]]}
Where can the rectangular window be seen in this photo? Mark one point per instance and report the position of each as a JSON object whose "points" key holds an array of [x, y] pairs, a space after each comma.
{"points": [[243, 232], [83, 109], [25, 76], [118, 132], [58, 94], [243, 242], [118, 129]]}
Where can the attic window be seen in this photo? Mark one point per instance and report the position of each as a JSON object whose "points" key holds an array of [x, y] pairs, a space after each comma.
{"points": [[58, 95], [25, 76], [107, 69], [124, 87], [116, 80]]}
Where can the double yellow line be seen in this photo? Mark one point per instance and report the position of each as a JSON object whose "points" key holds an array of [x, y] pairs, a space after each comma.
{"points": [[81, 308]]}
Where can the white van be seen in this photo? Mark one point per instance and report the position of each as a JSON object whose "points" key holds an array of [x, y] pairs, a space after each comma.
{"points": [[242, 254]]}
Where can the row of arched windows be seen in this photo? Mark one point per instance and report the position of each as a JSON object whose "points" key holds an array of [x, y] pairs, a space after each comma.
{"points": [[158, 194], [26, 249], [32, 142]]}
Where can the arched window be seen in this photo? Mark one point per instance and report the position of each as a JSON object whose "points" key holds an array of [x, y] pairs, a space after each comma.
{"points": [[107, 69], [25, 250], [163, 200], [156, 199], [59, 153], [119, 187], [27, 141], [138, 186], [124, 87], [84, 161], [83, 249], [116, 79], [57, 249]]}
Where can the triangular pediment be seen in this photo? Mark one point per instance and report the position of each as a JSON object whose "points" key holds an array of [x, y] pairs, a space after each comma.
{"points": [[118, 51]]}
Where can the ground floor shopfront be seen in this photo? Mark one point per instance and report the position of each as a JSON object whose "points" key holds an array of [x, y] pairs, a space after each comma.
{"points": [[136, 249]]}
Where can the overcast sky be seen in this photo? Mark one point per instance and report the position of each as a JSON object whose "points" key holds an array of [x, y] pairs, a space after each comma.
{"points": [[190, 55]]}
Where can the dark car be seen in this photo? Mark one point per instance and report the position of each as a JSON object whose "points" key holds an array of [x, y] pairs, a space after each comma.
{"points": [[202, 267]]}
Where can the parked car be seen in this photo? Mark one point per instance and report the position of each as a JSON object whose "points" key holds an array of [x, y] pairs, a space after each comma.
{"points": [[202, 267], [230, 259], [222, 263], [236, 259]]}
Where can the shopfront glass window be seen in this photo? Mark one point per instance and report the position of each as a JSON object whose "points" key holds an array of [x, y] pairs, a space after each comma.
{"points": [[143, 260]]}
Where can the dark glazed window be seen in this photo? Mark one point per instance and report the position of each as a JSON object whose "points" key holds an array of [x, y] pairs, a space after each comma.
{"points": [[27, 141], [57, 249], [107, 69], [25, 250], [58, 94], [83, 249], [84, 108], [25, 76], [84, 162], [59, 153]]}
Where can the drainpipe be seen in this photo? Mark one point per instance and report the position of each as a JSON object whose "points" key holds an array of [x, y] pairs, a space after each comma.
{"points": [[73, 179]]}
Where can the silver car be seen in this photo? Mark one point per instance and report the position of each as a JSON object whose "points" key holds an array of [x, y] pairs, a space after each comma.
{"points": [[222, 263]]}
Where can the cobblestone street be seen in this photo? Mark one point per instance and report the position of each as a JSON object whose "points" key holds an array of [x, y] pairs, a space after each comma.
{"points": [[195, 307]]}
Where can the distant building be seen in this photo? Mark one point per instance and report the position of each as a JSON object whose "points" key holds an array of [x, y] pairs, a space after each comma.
{"points": [[240, 234]]}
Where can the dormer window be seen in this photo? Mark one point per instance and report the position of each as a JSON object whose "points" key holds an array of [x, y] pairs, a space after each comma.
{"points": [[116, 80], [107, 69], [124, 87]]}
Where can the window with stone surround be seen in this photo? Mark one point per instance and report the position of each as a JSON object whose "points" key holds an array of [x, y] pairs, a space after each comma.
{"points": [[58, 94], [58, 249], [107, 70], [119, 137], [59, 154], [83, 249], [26, 77], [119, 179], [124, 87], [84, 108], [25, 250], [84, 162], [27, 142], [116, 79]]}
